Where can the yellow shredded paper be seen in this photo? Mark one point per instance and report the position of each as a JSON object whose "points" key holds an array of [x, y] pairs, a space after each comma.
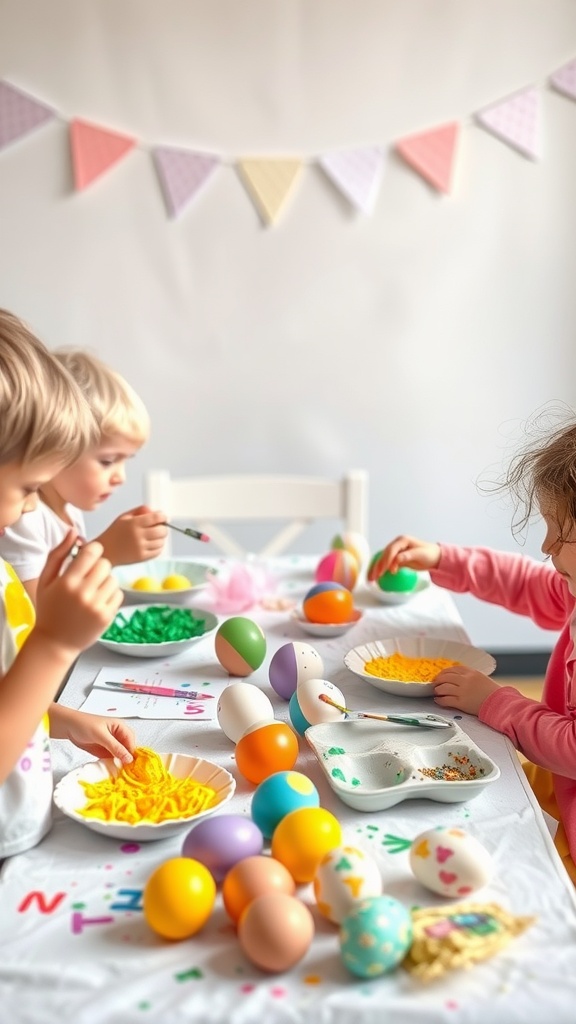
{"points": [[144, 790], [407, 670]]}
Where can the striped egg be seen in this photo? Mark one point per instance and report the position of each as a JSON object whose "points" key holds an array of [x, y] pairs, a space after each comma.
{"points": [[338, 566]]}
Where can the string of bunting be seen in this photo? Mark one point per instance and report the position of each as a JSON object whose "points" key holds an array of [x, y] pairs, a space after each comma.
{"points": [[270, 181]]}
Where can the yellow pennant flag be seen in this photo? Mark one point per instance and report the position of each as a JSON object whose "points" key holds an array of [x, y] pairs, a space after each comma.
{"points": [[269, 183]]}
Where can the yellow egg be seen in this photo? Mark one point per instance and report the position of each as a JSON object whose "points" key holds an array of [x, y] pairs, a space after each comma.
{"points": [[146, 583], [176, 582]]}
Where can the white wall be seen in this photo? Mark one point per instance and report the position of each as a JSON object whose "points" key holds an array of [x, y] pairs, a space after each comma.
{"points": [[413, 343]]}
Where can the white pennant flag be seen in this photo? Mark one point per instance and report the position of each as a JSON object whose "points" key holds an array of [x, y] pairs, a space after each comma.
{"points": [[357, 173], [516, 120]]}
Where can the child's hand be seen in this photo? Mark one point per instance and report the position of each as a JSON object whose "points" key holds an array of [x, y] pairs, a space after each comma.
{"points": [[407, 552], [135, 536], [100, 736], [463, 688], [73, 609]]}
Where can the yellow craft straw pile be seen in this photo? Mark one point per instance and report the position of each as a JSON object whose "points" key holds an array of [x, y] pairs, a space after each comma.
{"points": [[407, 670], [145, 791]]}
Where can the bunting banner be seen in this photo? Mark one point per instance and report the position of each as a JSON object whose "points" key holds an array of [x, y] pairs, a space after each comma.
{"points": [[270, 181]]}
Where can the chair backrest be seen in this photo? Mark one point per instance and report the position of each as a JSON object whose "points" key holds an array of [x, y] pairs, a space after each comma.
{"points": [[204, 501]]}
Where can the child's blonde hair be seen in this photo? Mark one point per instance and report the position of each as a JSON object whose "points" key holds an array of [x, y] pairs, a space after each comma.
{"points": [[115, 406], [545, 471], [42, 410]]}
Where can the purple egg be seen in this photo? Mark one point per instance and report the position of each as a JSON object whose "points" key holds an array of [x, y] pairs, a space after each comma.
{"points": [[220, 842], [292, 664]]}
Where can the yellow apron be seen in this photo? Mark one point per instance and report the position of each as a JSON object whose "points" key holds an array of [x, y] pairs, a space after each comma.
{"points": [[541, 781]]}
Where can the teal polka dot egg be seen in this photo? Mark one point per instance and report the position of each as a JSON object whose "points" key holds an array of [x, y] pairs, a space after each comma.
{"points": [[375, 936]]}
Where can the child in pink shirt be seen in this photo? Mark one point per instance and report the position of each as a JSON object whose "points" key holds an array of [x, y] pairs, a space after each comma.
{"points": [[544, 732]]}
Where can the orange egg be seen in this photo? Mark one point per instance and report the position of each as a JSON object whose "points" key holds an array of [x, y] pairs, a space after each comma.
{"points": [[265, 749], [253, 877], [328, 603], [275, 931], [303, 838]]}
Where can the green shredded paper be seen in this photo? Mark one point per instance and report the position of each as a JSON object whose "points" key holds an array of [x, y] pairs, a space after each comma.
{"points": [[155, 625]]}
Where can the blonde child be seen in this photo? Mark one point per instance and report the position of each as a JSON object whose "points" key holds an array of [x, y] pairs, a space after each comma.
{"points": [[45, 424], [123, 427], [543, 475]]}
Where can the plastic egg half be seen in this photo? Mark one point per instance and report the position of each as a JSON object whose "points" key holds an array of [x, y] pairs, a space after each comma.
{"points": [[240, 645], [328, 603], [338, 566], [240, 706], [375, 936], [292, 664], [265, 749], [280, 794], [345, 875], [221, 841], [449, 861]]}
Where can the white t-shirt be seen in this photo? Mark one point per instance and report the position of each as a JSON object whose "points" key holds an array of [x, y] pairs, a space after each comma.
{"points": [[26, 795], [27, 544]]}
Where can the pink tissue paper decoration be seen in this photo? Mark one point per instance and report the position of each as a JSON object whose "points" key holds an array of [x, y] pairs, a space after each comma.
{"points": [[182, 174], [432, 154], [95, 150], [20, 114], [357, 173], [564, 80], [515, 121], [238, 588]]}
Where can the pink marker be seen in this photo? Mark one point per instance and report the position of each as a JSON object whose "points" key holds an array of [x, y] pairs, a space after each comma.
{"points": [[196, 534], [157, 691]]}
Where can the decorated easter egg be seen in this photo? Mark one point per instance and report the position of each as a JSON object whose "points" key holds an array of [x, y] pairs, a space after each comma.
{"points": [[275, 931], [280, 794], [178, 897], [253, 877], [296, 717], [221, 841], [338, 566], [266, 748], [375, 936], [303, 838], [240, 706], [449, 861], [328, 603], [345, 875], [240, 645], [176, 581], [291, 664], [355, 543], [398, 582], [313, 708]]}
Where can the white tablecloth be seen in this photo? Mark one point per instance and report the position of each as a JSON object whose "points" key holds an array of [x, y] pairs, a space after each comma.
{"points": [[74, 942]]}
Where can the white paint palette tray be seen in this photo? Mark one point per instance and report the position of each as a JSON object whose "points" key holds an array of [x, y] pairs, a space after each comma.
{"points": [[374, 765]]}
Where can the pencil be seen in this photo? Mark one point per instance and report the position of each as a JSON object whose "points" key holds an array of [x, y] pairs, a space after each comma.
{"points": [[196, 534], [157, 691]]}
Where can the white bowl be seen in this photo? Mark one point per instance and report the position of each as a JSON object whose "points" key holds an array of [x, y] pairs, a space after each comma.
{"points": [[399, 596], [159, 569], [325, 629], [162, 649], [69, 796], [415, 647]]}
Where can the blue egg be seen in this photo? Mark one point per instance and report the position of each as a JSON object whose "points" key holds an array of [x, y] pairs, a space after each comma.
{"points": [[375, 936], [296, 716], [280, 794]]}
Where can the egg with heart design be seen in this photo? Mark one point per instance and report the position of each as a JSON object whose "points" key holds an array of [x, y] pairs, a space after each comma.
{"points": [[450, 861]]}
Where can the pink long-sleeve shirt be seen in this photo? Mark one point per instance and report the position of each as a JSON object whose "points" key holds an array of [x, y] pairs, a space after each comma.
{"points": [[544, 732]]}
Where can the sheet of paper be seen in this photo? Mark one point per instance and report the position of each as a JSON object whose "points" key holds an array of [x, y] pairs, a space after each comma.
{"points": [[114, 703]]}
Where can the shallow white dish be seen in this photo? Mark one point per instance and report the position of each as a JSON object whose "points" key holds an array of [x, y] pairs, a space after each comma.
{"points": [[158, 569], [399, 596], [374, 765], [415, 647], [325, 629], [168, 647], [69, 796]]}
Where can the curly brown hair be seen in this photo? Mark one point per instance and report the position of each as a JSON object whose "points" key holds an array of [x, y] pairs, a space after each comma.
{"points": [[544, 472]]}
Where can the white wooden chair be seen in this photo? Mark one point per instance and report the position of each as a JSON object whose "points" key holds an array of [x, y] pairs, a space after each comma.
{"points": [[201, 502]]}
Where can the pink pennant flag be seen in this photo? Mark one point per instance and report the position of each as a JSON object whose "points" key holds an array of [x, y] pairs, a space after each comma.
{"points": [[182, 175], [95, 150], [564, 79], [432, 154], [357, 173], [20, 114], [516, 121]]}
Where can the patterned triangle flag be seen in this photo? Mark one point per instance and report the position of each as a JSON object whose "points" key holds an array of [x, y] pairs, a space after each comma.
{"points": [[432, 154], [516, 121], [182, 175], [357, 173], [564, 79], [20, 114], [95, 150], [269, 183]]}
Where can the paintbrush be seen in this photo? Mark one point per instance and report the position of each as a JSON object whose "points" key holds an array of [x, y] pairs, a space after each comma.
{"points": [[195, 534], [426, 722]]}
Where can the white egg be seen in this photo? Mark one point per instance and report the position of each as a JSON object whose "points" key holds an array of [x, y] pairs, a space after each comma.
{"points": [[346, 875], [240, 706], [449, 861], [315, 710]]}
